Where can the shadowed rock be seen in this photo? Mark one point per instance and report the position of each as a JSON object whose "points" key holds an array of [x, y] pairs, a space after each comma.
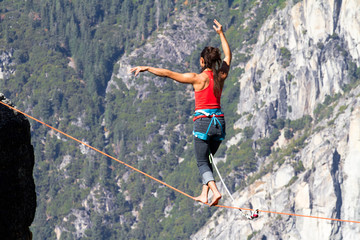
{"points": [[17, 188]]}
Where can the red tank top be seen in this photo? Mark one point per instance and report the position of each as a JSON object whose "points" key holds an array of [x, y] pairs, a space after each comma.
{"points": [[206, 99]]}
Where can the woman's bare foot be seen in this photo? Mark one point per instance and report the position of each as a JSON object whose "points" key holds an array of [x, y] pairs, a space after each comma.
{"points": [[201, 198], [204, 195], [215, 199], [216, 196]]}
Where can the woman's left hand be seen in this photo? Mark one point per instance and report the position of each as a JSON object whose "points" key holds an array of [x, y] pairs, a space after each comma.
{"points": [[217, 27], [138, 69]]}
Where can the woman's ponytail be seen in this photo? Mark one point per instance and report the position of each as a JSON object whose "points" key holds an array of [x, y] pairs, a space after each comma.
{"points": [[212, 59]]}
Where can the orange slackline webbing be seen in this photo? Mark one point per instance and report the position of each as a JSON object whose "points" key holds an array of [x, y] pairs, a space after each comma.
{"points": [[167, 185], [77, 140]]}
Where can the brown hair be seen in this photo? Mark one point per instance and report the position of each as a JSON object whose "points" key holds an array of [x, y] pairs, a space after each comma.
{"points": [[212, 59]]}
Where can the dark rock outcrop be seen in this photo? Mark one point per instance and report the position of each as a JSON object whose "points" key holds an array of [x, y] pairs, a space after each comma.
{"points": [[17, 187]]}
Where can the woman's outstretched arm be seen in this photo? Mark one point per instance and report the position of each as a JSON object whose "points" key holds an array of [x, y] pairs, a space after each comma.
{"points": [[226, 48], [189, 78]]}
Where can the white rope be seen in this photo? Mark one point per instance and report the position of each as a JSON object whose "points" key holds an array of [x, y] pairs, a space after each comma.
{"points": [[254, 214]]}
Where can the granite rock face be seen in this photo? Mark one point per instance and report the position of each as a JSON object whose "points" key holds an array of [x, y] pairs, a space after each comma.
{"points": [[6, 64], [17, 187], [173, 44], [328, 187], [301, 57]]}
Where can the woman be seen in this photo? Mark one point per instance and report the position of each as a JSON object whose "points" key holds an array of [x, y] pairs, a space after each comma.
{"points": [[209, 122]]}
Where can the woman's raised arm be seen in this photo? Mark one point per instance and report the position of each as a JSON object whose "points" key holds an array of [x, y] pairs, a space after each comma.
{"points": [[226, 48]]}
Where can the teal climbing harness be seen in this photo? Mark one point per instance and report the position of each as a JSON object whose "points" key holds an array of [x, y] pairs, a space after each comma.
{"points": [[214, 120]]}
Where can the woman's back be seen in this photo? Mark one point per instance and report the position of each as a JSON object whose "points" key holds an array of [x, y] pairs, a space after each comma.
{"points": [[205, 98]]}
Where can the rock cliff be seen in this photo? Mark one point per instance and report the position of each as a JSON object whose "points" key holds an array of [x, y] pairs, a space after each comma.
{"points": [[302, 55], [171, 46], [17, 188], [328, 187], [301, 58]]}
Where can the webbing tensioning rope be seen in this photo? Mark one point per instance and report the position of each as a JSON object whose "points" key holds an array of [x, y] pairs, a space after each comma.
{"points": [[253, 214]]}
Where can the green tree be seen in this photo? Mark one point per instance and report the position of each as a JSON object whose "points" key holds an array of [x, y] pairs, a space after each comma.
{"points": [[248, 132]]}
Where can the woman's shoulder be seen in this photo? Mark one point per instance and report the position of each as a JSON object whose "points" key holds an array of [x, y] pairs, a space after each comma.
{"points": [[206, 75], [202, 82]]}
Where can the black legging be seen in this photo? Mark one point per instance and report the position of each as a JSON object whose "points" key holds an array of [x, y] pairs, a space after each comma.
{"points": [[203, 148]]}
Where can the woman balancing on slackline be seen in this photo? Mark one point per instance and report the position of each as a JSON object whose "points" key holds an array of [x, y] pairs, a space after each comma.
{"points": [[209, 122]]}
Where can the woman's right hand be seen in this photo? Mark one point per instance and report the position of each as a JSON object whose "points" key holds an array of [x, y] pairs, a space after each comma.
{"points": [[217, 27]]}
